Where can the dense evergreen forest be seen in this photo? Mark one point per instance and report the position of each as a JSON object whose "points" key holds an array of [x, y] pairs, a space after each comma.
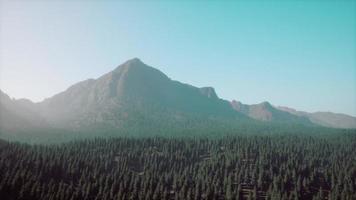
{"points": [[236, 167]]}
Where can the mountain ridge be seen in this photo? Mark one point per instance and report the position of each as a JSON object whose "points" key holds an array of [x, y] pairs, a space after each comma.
{"points": [[137, 96], [325, 118], [267, 112]]}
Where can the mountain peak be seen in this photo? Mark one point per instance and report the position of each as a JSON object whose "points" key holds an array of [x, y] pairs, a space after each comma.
{"points": [[133, 62], [138, 69], [265, 105], [140, 96], [135, 67], [209, 92]]}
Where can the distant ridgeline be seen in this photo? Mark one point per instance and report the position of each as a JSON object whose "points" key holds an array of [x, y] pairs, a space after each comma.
{"points": [[140, 101]]}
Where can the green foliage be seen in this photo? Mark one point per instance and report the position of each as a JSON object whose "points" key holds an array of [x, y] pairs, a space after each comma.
{"points": [[234, 167]]}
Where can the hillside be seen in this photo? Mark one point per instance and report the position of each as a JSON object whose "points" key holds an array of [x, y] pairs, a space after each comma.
{"points": [[138, 100], [268, 113], [326, 119]]}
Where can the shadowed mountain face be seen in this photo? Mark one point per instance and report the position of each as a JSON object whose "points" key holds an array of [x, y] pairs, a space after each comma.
{"points": [[133, 96], [131, 89], [268, 113], [137, 98]]}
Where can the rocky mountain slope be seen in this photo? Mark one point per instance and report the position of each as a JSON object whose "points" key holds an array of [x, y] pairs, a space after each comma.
{"points": [[327, 119], [137, 98], [268, 113]]}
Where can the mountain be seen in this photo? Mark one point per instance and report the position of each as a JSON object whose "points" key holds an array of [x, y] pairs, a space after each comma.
{"points": [[131, 91], [18, 114], [133, 99], [268, 113], [138, 100], [326, 119]]}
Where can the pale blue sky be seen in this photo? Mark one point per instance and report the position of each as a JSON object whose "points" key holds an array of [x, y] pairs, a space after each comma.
{"points": [[299, 54]]}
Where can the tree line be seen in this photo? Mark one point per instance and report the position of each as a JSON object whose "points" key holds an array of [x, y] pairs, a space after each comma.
{"points": [[276, 166]]}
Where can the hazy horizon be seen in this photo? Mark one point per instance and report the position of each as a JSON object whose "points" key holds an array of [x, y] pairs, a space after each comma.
{"points": [[295, 54]]}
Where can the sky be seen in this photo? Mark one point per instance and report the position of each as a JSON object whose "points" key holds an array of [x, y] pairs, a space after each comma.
{"points": [[300, 54]]}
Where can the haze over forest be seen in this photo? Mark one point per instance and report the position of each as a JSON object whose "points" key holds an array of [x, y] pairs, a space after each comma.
{"points": [[177, 100]]}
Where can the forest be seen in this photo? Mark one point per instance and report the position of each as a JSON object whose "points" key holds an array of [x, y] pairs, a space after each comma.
{"points": [[276, 166]]}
